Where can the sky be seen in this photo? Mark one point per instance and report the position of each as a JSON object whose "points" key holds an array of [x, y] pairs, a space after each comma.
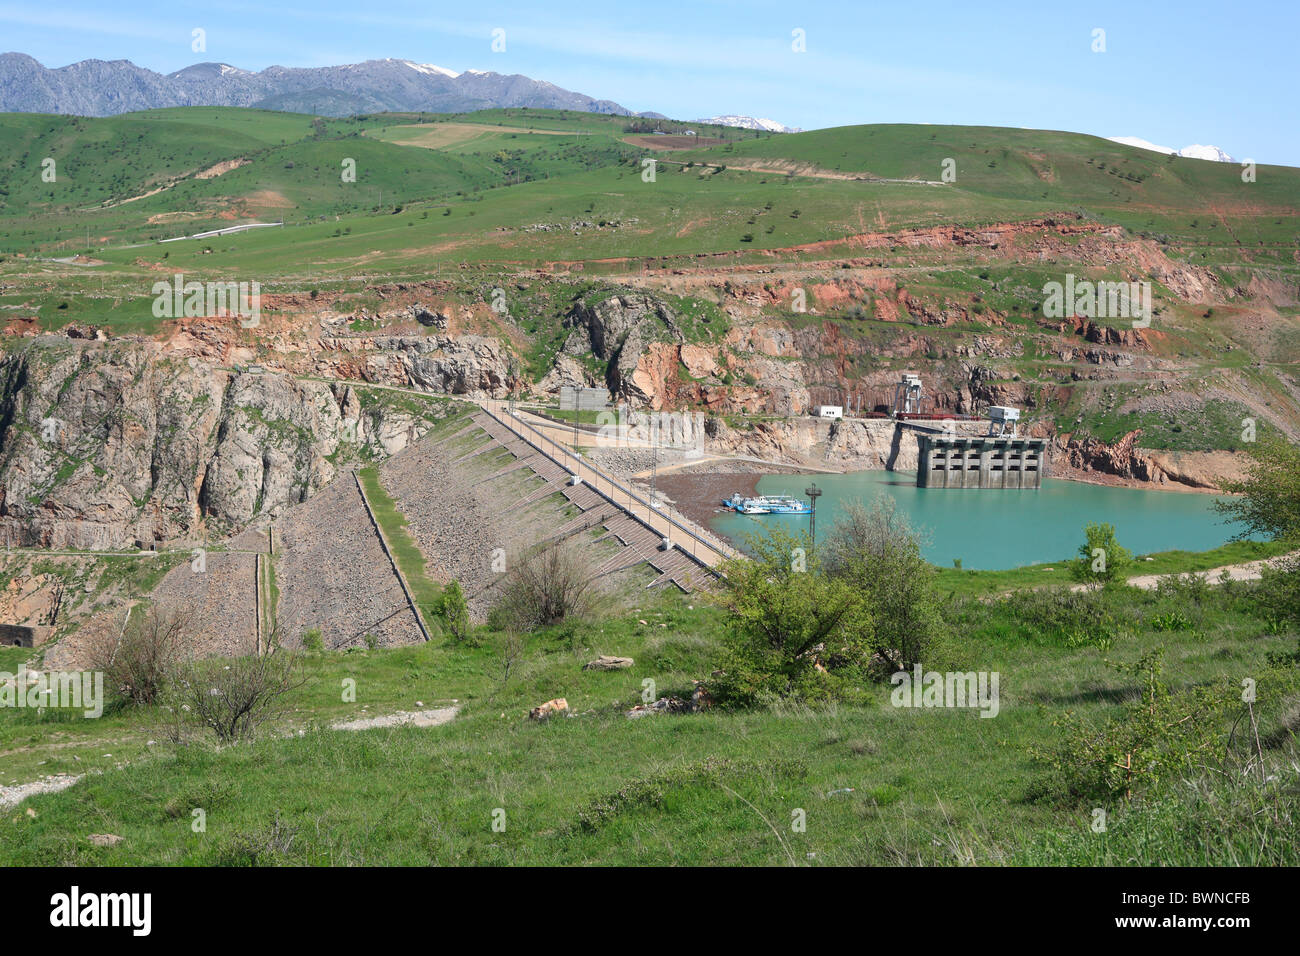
{"points": [[1174, 74]]}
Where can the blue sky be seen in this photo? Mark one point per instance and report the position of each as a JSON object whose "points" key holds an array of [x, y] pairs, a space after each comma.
{"points": [[1172, 73]]}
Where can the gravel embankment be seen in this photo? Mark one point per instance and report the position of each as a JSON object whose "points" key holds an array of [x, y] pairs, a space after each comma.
{"points": [[332, 574]]}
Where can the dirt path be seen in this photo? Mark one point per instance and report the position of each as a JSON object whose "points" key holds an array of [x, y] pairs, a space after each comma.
{"points": [[11, 796], [402, 718], [1246, 571]]}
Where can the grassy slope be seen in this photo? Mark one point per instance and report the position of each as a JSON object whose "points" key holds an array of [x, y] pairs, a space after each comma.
{"points": [[428, 596], [1001, 173], [964, 583], [456, 210], [293, 171], [1143, 190], [927, 786]]}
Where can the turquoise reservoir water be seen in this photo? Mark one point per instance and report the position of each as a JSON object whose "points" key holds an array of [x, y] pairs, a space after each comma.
{"points": [[994, 529]]}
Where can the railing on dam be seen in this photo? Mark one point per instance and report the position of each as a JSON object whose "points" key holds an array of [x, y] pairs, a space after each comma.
{"points": [[703, 551]]}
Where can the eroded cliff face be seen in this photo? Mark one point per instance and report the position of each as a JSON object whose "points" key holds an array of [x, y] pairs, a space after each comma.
{"points": [[860, 445], [1125, 461], [110, 444], [636, 335], [468, 365]]}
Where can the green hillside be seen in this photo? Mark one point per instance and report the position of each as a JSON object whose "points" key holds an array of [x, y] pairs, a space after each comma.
{"points": [[1193, 199], [751, 191]]}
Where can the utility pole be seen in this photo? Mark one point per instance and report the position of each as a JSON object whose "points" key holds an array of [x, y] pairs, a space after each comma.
{"points": [[654, 456], [577, 392], [813, 492]]}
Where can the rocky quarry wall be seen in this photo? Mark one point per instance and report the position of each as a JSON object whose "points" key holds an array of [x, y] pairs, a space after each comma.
{"points": [[109, 445]]}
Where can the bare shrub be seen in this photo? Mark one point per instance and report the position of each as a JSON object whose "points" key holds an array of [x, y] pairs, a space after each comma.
{"points": [[546, 586], [510, 652], [233, 697], [138, 661]]}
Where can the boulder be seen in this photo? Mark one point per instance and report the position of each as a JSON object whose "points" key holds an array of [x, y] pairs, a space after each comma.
{"points": [[545, 711], [429, 317], [607, 663], [664, 705], [701, 699]]}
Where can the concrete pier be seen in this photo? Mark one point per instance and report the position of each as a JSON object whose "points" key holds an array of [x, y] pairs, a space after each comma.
{"points": [[949, 462]]}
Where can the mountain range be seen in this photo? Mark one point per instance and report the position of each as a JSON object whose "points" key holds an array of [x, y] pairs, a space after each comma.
{"points": [[109, 87]]}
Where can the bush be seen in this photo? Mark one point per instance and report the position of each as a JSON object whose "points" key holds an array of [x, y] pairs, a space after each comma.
{"points": [[1061, 617], [138, 662], [545, 586], [232, 697], [1184, 589], [455, 609], [791, 629], [1159, 738], [876, 552], [1102, 559], [1267, 500], [1278, 593]]}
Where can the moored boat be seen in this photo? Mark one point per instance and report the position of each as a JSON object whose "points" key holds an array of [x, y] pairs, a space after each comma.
{"points": [[767, 505], [785, 505]]}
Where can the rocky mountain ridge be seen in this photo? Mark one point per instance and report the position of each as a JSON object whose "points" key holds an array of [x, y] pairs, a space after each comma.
{"points": [[110, 87]]}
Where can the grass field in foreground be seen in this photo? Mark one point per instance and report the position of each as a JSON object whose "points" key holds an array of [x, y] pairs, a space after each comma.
{"points": [[877, 784]]}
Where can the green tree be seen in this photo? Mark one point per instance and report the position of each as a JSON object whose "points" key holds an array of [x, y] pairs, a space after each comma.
{"points": [[1268, 498], [877, 552], [455, 609], [790, 626], [1102, 559], [1268, 502]]}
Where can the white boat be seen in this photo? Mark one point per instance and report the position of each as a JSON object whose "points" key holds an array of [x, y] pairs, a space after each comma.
{"points": [[767, 505]]}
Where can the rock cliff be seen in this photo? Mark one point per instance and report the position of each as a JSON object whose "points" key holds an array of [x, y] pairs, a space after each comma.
{"points": [[112, 444]]}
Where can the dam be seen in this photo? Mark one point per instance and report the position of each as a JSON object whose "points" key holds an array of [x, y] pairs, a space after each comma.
{"points": [[946, 461]]}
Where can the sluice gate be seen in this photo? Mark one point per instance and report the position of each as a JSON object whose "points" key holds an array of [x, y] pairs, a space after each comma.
{"points": [[947, 461]]}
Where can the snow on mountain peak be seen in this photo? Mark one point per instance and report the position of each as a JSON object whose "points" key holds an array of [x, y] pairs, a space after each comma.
{"points": [[1212, 153], [430, 69], [749, 122], [1205, 152]]}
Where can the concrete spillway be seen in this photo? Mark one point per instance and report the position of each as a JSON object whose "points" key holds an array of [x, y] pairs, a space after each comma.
{"points": [[946, 461]]}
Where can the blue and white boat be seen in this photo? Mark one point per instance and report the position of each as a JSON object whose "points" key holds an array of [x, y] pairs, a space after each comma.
{"points": [[767, 505], [784, 505]]}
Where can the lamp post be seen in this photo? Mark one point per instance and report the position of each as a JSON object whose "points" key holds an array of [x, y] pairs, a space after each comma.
{"points": [[813, 492], [654, 457], [577, 391]]}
